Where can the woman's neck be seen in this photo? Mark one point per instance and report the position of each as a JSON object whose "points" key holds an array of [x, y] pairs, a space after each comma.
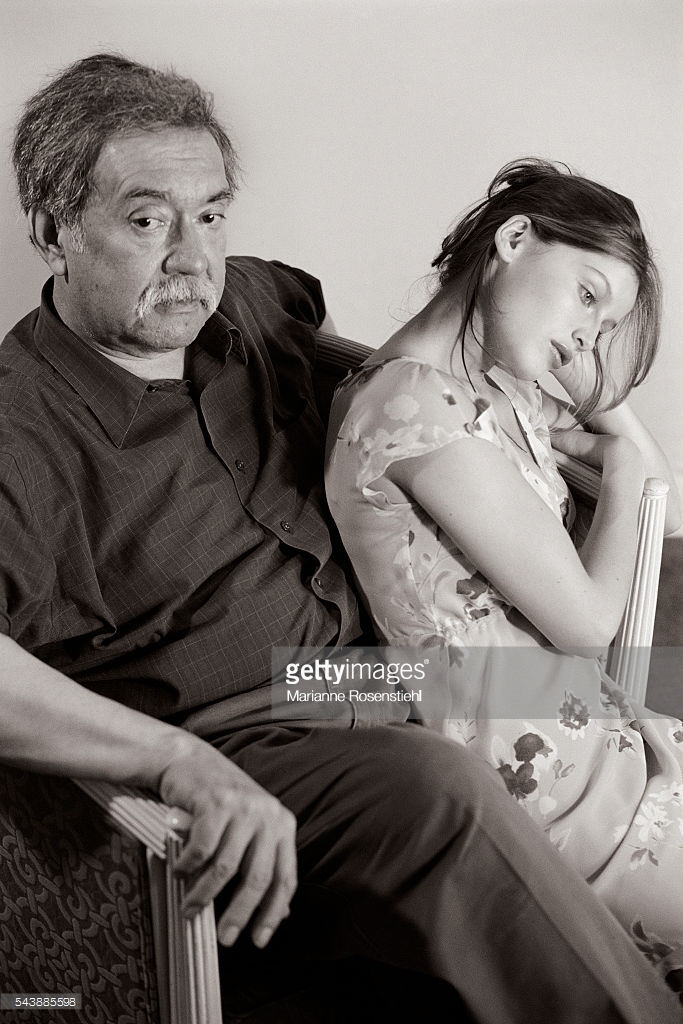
{"points": [[440, 333]]}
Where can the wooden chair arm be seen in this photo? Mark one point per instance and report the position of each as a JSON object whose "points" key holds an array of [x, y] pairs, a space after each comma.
{"points": [[629, 662], [185, 950], [629, 657]]}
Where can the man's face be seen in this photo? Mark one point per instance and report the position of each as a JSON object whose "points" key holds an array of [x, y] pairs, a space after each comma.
{"points": [[152, 266]]}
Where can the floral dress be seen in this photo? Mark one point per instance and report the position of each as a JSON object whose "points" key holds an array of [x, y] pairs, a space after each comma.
{"points": [[602, 777]]}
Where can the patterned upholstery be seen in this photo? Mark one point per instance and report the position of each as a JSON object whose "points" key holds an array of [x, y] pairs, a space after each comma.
{"points": [[74, 915]]}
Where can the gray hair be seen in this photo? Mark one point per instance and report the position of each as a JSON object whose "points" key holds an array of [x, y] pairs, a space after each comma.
{"points": [[64, 126]]}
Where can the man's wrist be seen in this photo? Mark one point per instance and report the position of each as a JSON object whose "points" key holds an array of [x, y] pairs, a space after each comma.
{"points": [[167, 745]]}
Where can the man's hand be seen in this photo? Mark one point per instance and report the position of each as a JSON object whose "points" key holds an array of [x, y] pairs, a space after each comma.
{"points": [[239, 832]]}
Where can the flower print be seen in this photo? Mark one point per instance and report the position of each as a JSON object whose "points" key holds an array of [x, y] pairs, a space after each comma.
{"points": [[673, 793], [561, 770], [654, 825], [624, 743], [666, 955], [382, 440], [529, 745], [462, 730], [618, 833], [651, 821], [481, 598], [378, 450], [676, 732], [614, 699], [520, 783], [473, 613], [474, 587], [559, 838], [426, 625], [618, 737], [441, 436], [573, 716], [547, 804], [402, 407], [402, 559], [607, 699]]}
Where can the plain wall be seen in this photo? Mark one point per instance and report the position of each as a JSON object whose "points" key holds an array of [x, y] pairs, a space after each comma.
{"points": [[365, 126]]}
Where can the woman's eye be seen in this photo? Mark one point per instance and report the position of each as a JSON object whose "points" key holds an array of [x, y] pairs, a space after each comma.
{"points": [[587, 298]]}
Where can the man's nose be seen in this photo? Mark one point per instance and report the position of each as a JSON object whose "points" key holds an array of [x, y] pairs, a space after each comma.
{"points": [[186, 254]]}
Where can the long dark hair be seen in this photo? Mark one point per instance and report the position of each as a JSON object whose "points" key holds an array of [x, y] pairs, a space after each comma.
{"points": [[564, 207]]}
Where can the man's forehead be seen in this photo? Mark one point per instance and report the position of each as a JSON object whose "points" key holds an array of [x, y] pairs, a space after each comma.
{"points": [[158, 162]]}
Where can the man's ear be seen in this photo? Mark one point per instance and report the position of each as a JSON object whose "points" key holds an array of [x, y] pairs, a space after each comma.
{"points": [[513, 236], [44, 234]]}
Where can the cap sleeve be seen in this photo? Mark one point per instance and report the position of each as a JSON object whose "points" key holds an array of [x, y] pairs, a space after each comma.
{"points": [[403, 409]]}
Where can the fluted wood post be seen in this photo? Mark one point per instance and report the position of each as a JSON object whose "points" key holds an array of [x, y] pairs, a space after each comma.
{"points": [[185, 950], [629, 662]]}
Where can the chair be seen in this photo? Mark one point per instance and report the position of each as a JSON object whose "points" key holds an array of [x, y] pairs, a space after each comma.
{"points": [[93, 863]]}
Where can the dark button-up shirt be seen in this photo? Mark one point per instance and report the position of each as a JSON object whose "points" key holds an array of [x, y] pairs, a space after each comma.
{"points": [[157, 539]]}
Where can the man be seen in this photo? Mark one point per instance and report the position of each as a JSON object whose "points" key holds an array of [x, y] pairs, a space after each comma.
{"points": [[163, 528]]}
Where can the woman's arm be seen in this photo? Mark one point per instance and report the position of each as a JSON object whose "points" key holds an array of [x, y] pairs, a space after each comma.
{"points": [[481, 501], [621, 421]]}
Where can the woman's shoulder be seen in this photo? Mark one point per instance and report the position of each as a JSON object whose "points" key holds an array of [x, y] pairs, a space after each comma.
{"points": [[401, 377], [405, 407]]}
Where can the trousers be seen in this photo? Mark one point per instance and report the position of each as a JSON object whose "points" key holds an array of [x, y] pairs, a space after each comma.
{"points": [[413, 855]]}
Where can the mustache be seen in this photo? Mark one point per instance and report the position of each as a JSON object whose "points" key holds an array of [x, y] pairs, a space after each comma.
{"points": [[177, 289]]}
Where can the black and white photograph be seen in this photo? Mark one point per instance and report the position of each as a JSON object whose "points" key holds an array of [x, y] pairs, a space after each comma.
{"points": [[341, 531]]}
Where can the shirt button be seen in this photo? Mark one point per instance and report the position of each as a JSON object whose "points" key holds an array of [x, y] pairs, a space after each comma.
{"points": [[239, 465], [286, 525], [319, 583], [152, 387]]}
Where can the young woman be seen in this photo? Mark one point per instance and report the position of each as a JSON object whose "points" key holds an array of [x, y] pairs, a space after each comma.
{"points": [[442, 481]]}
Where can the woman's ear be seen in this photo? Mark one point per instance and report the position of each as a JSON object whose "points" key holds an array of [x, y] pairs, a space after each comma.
{"points": [[513, 236], [44, 235]]}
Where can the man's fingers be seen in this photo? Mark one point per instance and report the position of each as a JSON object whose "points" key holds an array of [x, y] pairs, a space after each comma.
{"points": [[274, 907], [240, 835], [221, 868], [264, 892]]}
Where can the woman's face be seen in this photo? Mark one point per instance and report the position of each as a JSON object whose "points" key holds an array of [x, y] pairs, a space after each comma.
{"points": [[548, 302]]}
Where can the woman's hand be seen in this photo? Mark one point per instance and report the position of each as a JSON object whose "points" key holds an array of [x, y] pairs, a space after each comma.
{"points": [[596, 449]]}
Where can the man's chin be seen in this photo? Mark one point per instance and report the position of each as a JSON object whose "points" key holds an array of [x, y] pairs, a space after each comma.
{"points": [[172, 325]]}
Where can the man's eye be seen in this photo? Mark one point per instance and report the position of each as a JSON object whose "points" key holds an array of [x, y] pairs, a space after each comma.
{"points": [[146, 223], [212, 217]]}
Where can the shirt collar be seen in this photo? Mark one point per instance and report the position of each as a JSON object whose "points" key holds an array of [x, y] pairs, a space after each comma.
{"points": [[524, 395], [111, 393]]}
